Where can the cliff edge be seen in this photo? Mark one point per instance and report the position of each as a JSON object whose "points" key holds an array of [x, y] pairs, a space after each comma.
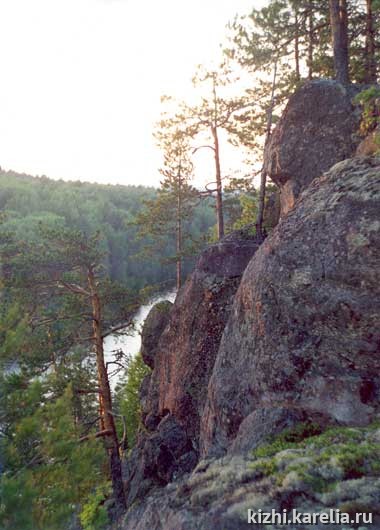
{"points": [[265, 391]]}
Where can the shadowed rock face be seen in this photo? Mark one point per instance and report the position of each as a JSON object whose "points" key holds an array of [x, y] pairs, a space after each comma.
{"points": [[153, 327], [190, 343], [177, 388], [318, 129], [303, 339]]}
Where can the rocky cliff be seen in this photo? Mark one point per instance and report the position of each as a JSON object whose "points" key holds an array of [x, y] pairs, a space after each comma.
{"points": [[303, 337], [183, 356], [265, 391]]}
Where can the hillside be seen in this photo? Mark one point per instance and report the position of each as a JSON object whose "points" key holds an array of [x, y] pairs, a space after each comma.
{"points": [[111, 209]]}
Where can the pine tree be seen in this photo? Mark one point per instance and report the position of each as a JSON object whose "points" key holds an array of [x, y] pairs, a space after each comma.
{"points": [[127, 399], [66, 302], [339, 33], [46, 472], [169, 214], [217, 111]]}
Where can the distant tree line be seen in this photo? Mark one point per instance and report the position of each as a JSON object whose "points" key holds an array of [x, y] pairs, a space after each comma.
{"points": [[28, 202]]}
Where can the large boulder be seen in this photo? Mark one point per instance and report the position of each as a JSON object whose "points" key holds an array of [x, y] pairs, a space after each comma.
{"points": [[303, 339], [153, 327], [189, 344], [184, 360], [317, 129]]}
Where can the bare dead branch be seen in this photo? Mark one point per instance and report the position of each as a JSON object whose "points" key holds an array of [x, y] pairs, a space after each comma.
{"points": [[99, 434], [203, 147], [119, 327], [89, 391], [72, 287]]}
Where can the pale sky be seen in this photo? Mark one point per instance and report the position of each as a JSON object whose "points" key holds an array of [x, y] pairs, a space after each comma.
{"points": [[81, 80]]}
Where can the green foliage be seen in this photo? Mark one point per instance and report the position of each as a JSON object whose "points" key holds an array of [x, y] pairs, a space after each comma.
{"points": [[264, 467], [369, 99], [240, 203], [48, 472], [94, 514], [288, 438], [306, 458], [127, 399], [16, 499], [31, 201]]}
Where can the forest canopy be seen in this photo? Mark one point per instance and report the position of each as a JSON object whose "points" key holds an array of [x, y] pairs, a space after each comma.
{"points": [[29, 201]]}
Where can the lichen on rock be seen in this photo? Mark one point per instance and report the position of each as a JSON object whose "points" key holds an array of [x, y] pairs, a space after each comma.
{"points": [[336, 469], [303, 334]]}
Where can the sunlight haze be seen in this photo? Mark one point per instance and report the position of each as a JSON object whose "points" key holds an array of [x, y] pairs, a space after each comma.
{"points": [[82, 80]]}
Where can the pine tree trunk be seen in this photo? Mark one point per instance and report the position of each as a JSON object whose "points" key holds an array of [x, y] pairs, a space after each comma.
{"points": [[370, 73], [310, 50], [263, 179], [179, 234], [218, 173], [108, 422], [219, 189], [297, 45], [339, 33]]}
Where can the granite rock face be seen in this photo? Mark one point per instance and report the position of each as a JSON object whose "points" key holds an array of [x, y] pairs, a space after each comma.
{"points": [[303, 338], [310, 477], [190, 343], [317, 129], [184, 358], [153, 327]]}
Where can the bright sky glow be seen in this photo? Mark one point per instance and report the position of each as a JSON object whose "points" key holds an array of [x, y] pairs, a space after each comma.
{"points": [[82, 80]]}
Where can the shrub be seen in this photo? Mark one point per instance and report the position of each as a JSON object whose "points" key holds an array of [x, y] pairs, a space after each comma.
{"points": [[369, 99]]}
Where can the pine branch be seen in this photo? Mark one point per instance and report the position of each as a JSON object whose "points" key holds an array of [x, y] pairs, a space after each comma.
{"points": [[114, 329], [72, 287], [99, 434]]}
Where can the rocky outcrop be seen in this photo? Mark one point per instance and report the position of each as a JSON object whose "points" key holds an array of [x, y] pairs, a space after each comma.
{"points": [[190, 343], [176, 391], [303, 340], [256, 359], [336, 470], [153, 327], [318, 129]]}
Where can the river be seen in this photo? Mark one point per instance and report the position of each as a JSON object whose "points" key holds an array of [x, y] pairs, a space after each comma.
{"points": [[131, 344]]}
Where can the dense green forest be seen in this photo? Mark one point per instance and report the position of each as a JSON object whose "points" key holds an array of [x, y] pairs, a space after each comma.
{"points": [[75, 258], [29, 201], [74, 266]]}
